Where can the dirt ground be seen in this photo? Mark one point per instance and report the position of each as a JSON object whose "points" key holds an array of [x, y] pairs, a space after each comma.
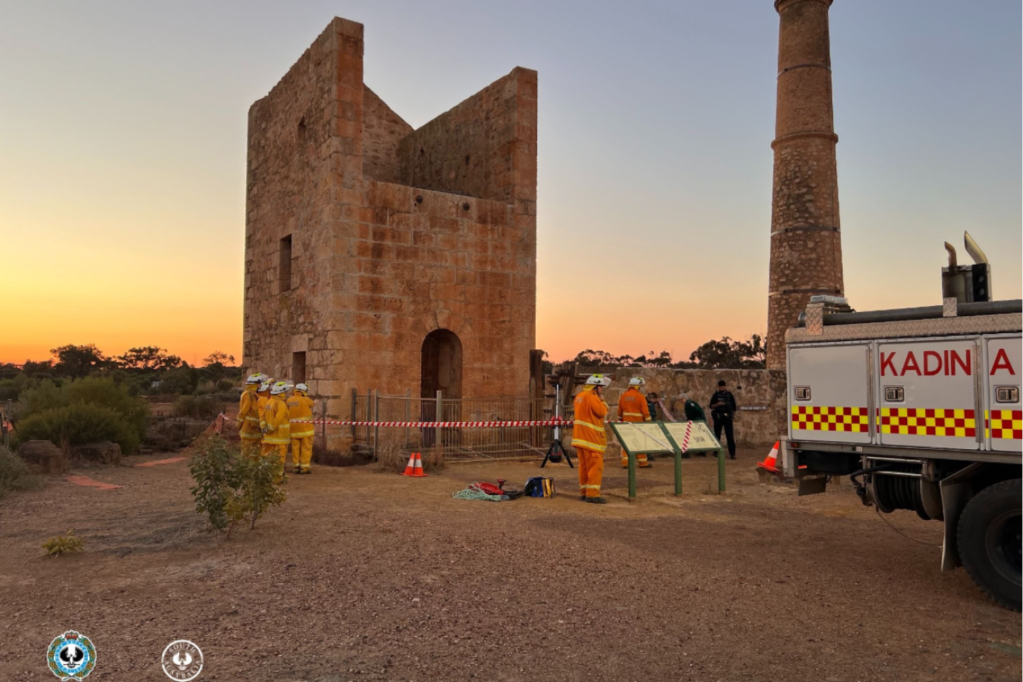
{"points": [[367, 575]]}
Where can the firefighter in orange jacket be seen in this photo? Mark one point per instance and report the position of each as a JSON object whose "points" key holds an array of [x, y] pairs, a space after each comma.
{"points": [[632, 407], [300, 409], [277, 432], [589, 438], [248, 416]]}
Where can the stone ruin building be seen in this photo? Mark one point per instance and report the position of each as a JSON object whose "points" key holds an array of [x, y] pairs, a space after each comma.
{"points": [[806, 237], [382, 257]]}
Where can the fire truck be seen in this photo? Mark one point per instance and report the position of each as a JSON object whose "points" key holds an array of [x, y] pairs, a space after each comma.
{"points": [[920, 408]]}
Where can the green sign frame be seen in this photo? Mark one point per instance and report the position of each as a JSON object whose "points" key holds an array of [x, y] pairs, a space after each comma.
{"points": [[667, 444]]}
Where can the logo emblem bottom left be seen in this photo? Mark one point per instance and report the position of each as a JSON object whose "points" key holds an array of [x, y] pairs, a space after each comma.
{"points": [[71, 656]]}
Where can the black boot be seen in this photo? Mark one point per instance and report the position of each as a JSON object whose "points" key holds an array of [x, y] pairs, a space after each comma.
{"points": [[596, 500]]}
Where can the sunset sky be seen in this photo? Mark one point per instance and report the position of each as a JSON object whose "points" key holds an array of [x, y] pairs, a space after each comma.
{"points": [[123, 142]]}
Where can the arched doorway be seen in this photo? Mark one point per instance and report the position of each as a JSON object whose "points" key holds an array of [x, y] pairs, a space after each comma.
{"points": [[442, 365], [442, 371]]}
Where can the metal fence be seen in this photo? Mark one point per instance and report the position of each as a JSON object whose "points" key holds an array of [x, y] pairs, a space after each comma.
{"points": [[457, 444]]}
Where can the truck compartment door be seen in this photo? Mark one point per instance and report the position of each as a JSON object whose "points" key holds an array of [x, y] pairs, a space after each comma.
{"points": [[1003, 412], [829, 391], [927, 394]]}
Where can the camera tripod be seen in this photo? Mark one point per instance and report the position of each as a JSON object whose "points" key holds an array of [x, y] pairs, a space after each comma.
{"points": [[556, 448]]}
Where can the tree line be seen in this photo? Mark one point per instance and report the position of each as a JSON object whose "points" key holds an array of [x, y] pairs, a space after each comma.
{"points": [[724, 353]]}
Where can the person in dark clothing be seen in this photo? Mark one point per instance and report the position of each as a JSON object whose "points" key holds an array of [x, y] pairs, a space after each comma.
{"points": [[693, 413], [722, 409], [651, 404]]}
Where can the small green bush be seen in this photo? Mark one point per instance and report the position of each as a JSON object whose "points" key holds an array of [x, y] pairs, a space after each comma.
{"points": [[79, 424], [230, 488], [15, 474], [64, 544], [196, 407]]}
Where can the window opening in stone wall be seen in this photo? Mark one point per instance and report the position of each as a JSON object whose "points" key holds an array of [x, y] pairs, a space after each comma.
{"points": [[284, 274], [298, 367]]}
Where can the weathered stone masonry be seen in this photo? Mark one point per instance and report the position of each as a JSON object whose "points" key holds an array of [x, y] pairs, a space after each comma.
{"points": [[365, 237], [806, 240]]}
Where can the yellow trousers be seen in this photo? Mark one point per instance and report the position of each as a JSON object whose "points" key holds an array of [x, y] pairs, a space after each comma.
{"points": [[280, 448], [302, 452], [250, 446], [641, 460], [591, 471]]}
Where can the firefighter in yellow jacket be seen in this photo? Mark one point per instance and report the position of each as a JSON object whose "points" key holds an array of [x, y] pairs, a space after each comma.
{"points": [[248, 416], [589, 438], [632, 407], [277, 432], [262, 397], [300, 407]]}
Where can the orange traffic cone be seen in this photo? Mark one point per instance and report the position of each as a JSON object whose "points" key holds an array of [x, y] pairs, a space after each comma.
{"points": [[771, 461], [414, 468]]}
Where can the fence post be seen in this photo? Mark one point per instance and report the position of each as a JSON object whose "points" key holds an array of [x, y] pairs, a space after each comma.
{"points": [[408, 415], [438, 432], [376, 429], [355, 412]]}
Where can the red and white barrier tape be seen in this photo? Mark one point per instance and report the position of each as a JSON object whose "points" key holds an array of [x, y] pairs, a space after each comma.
{"points": [[685, 438], [437, 425]]}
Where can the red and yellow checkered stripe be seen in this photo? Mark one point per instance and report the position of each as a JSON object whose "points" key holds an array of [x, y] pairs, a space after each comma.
{"points": [[910, 421], [817, 418], [1007, 424]]}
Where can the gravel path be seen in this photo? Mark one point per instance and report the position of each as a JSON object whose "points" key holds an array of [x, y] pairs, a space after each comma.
{"points": [[366, 575]]}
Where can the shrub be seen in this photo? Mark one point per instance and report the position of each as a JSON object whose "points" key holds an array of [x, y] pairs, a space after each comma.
{"points": [[196, 407], [40, 398], [213, 468], [106, 393], [79, 424], [64, 544], [205, 388], [15, 474], [230, 488]]}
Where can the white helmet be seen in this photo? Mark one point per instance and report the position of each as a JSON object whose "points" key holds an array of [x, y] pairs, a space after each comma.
{"points": [[302, 387], [598, 380], [279, 387], [264, 385], [637, 381], [254, 378]]}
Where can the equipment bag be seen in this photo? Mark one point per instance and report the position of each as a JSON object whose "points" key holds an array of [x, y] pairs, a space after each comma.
{"points": [[539, 486]]}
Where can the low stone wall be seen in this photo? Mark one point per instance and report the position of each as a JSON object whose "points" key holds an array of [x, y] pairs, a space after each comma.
{"points": [[760, 394]]}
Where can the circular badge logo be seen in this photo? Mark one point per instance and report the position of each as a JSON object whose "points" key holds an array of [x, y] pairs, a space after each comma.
{"points": [[71, 656], [182, 660]]}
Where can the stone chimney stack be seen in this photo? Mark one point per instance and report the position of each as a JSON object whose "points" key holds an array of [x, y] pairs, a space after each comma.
{"points": [[806, 243]]}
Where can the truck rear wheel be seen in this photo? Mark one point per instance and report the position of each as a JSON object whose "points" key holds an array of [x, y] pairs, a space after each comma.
{"points": [[989, 542]]}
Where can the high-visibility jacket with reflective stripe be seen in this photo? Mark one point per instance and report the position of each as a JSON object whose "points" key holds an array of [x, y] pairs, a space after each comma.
{"points": [[248, 415], [300, 406], [588, 430], [278, 422], [261, 401], [632, 407]]}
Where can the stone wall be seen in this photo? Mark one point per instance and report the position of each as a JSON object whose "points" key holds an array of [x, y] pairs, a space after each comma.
{"points": [[375, 265], [382, 130], [484, 147], [752, 388]]}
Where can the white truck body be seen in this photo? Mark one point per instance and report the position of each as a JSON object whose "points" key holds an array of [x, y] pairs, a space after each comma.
{"points": [[958, 393]]}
